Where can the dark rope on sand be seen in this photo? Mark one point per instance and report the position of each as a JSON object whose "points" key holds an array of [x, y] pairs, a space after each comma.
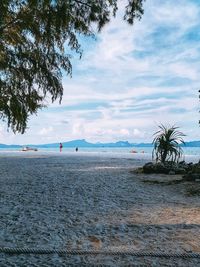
{"points": [[98, 252]]}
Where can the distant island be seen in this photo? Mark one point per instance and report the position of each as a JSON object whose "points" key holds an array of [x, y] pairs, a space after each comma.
{"points": [[84, 143]]}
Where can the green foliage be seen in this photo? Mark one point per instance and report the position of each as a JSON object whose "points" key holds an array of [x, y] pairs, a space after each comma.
{"points": [[36, 37], [167, 144]]}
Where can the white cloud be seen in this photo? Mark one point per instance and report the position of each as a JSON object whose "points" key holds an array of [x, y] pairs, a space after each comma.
{"points": [[184, 70], [133, 78], [45, 131]]}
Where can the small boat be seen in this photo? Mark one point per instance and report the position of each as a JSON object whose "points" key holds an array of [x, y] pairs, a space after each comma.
{"points": [[29, 149], [133, 151]]}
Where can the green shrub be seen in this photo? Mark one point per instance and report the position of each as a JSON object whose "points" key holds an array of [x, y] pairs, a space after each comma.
{"points": [[167, 142]]}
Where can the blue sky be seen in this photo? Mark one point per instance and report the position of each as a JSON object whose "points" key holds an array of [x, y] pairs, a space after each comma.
{"points": [[128, 81]]}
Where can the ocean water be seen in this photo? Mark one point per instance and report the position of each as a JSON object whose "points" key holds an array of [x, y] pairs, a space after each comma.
{"points": [[123, 151]]}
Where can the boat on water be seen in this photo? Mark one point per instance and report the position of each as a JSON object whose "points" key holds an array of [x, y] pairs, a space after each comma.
{"points": [[133, 151], [27, 148]]}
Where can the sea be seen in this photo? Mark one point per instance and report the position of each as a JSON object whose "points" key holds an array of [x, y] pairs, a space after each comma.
{"points": [[189, 153], [186, 150]]}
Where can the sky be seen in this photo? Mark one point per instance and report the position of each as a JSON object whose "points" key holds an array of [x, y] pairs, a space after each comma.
{"points": [[129, 80]]}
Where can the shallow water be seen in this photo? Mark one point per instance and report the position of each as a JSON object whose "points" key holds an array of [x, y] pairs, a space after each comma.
{"points": [[190, 154]]}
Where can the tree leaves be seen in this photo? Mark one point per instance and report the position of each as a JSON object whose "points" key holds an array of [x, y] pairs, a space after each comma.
{"points": [[33, 54]]}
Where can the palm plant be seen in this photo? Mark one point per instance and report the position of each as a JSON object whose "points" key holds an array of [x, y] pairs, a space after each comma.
{"points": [[167, 142]]}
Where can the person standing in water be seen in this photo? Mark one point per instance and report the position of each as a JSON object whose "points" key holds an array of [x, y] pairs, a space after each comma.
{"points": [[61, 146], [76, 149]]}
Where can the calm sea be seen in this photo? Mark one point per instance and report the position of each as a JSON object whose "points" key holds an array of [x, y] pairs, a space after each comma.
{"points": [[121, 150], [191, 154]]}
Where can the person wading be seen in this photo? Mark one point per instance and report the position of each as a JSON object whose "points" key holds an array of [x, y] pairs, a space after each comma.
{"points": [[61, 146]]}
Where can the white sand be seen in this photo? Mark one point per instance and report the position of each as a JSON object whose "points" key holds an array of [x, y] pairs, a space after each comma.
{"points": [[93, 202]]}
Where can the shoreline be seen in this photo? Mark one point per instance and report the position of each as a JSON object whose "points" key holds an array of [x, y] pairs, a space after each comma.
{"points": [[144, 157]]}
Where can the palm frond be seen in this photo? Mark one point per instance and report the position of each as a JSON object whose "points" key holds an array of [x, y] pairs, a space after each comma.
{"points": [[167, 141]]}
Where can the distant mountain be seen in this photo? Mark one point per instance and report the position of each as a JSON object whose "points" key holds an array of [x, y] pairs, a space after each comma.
{"points": [[78, 143], [84, 143], [143, 145], [187, 144], [73, 143], [117, 144]]}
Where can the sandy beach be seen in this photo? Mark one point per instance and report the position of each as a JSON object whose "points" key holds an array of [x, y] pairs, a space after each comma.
{"points": [[93, 202]]}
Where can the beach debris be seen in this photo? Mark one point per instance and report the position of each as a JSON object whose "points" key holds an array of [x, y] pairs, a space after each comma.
{"points": [[95, 242]]}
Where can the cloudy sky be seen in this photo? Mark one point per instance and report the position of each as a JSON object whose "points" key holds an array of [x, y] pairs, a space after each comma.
{"points": [[128, 81]]}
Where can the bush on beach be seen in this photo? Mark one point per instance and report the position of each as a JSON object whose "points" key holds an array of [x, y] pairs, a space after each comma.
{"points": [[166, 143], [167, 153], [190, 171]]}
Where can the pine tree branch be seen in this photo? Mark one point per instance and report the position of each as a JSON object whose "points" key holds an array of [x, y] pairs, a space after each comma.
{"points": [[82, 3]]}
